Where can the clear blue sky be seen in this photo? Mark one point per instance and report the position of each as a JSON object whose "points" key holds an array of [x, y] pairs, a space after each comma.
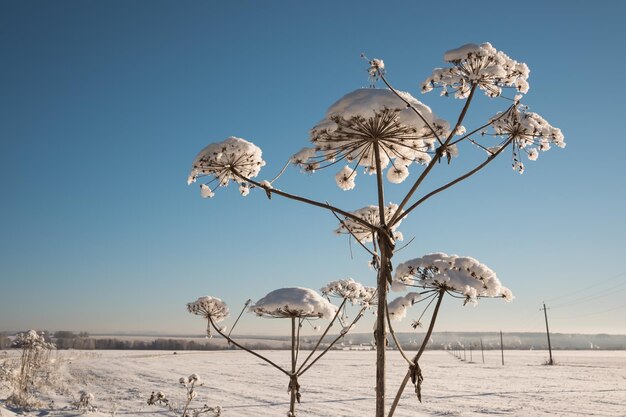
{"points": [[104, 105]]}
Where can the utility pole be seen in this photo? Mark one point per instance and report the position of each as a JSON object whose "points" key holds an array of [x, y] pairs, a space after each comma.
{"points": [[482, 350], [501, 347], [548, 332]]}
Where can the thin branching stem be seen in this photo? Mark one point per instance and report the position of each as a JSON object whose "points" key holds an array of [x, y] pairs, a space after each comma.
{"points": [[419, 353], [463, 112], [326, 206], [238, 317], [341, 335], [468, 174], [396, 217], [396, 341], [382, 77], [343, 303], [343, 223], [217, 329], [486, 125]]}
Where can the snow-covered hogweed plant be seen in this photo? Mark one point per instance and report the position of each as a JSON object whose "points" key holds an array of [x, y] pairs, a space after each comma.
{"points": [[388, 133], [299, 305]]}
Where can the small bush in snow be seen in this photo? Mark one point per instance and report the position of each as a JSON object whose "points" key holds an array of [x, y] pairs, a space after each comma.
{"points": [[185, 410], [30, 370], [85, 402]]}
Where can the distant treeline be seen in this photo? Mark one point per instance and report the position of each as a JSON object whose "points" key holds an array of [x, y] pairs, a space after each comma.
{"points": [[441, 340]]}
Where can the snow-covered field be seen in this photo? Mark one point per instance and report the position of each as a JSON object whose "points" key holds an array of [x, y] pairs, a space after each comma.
{"points": [[584, 383]]}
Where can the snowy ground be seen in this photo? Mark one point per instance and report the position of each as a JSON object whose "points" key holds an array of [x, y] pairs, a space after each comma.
{"points": [[584, 383]]}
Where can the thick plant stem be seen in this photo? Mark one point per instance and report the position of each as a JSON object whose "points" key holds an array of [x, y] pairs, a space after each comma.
{"points": [[384, 271], [419, 353], [380, 338], [292, 401]]}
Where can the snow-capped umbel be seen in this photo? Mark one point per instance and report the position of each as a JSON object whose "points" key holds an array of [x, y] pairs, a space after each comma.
{"points": [[349, 289], [220, 159], [457, 274], [294, 302], [529, 131], [209, 306], [482, 65], [364, 117], [398, 307], [370, 214]]}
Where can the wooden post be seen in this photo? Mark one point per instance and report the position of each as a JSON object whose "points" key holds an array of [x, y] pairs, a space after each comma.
{"points": [[548, 332], [502, 347], [482, 349]]}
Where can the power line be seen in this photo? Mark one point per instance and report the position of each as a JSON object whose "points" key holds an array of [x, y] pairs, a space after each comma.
{"points": [[593, 313], [595, 285], [594, 295]]}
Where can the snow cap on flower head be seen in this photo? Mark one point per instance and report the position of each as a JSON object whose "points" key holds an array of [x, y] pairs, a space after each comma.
{"points": [[398, 308], [294, 302], [461, 275], [348, 289], [366, 116], [480, 65], [209, 307]]}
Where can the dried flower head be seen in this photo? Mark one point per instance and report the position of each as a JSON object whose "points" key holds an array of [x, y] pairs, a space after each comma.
{"points": [[222, 161], [480, 65], [529, 132], [209, 307], [452, 273], [369, 118], [371, 214], [348, 289]]}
